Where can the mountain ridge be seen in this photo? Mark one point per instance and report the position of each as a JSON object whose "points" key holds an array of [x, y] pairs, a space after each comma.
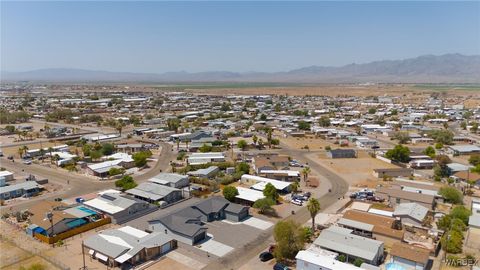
{"points": [[447, 68]]}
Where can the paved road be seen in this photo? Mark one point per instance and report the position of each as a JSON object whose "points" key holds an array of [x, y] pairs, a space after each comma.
{"points": [[339, 187], [74, 184]]}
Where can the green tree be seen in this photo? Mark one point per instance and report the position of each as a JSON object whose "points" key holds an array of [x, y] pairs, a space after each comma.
{"points": [[140, 158], [438, 146], [474, 160], [242, 144], [116, 171], [302, 125], [324, 121], [255, 139], [173, 124], [429, 151], [294, 187], [242, 168], [451, 195], [230, 192], [402, 137], [94, 155], [86, 149], [290, 239], [462, 213], [452, 241], [305, 172], [126, 183], [474, 127], [263, 117], [205, 148], [357, 262], [372, 111], [342, 258], [264, 206], [108, 148], [442, 136], [399, 153], [313, 206], [270, 192]]}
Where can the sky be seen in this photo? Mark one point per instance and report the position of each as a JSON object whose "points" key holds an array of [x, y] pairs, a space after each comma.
{"points": [[271, 36]]}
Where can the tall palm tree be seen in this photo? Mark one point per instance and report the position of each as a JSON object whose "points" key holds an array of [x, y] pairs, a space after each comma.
{"points": [[313, 206], [50, 150], [306, 171], [42, 153], [255, 139]]}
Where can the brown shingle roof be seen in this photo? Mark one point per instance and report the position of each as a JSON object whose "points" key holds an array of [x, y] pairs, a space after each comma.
{"points": [[410, 253], [381, 224], [40, 209]]}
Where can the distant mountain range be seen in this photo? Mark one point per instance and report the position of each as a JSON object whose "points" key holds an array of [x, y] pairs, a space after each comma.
{"points": [[448, 68]]}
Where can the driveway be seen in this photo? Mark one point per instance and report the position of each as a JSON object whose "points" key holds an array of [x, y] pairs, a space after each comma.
{"points": [[253, 222], [214, 247]]}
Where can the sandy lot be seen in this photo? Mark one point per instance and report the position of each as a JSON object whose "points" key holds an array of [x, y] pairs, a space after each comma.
{"points": [[312, 142], [355, 170]]}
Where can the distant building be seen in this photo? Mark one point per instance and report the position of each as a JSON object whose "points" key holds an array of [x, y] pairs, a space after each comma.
{"points": [[342, 153], [24, 189]]}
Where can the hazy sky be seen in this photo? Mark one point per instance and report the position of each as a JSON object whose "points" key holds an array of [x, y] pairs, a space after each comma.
{"points": [[234, 36]]}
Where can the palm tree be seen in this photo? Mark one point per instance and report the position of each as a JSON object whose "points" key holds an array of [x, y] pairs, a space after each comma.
{"points": [[57, 158], [22, 150], [313, 206], [294, 187], [306, 171], [119, 128], [255, 139], [50, 150], [42, 153], [186, 143], [178, 143], [269, 138]]}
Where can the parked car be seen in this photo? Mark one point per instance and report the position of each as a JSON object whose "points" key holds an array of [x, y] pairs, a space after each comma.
{"points": [[27, 162], [58, 199], [307, 194], [297, 202], [265, 256], [10, 157], [280, 266]]}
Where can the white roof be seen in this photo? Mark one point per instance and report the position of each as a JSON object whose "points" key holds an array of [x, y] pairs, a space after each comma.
{"points": [[262, 182], [120, 156], [105, 164], [5, 173], [288, 172], [109, 191], [249, 194], [132, 231], [381, 212], [324, 262], [361, 206], [115, 240], [104, 206], [101, 256]]}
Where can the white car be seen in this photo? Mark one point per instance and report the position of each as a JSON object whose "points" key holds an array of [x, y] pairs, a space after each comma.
{"points": [[297, 202], [27, 162]]}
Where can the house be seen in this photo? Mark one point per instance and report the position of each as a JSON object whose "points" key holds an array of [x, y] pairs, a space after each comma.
{"points": [[127, 246], [282, 175], [270, 162], [203, 158], [373, 225], [119, 207], [155, 193], [63, 217], [311, 260], [24, 189], [453, 168], [248, 196], [392, 172], [117, 160], [342, 153], [409, 257], [411, 213], [205, 173], [6, 175], [170, 179], [187, 224], [468, 176], [397, 196], [463, 149], [259, 183], [343, 241]]}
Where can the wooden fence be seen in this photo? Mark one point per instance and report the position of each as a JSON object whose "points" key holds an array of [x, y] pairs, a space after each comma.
{"points": [[72, 232]]}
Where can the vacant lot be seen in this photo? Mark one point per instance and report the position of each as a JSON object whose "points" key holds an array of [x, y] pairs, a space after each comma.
{"points": [[355, 170], [13, 257], [312, 142]]}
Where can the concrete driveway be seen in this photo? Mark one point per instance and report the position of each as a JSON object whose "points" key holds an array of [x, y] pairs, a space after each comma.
{"points": [[214, 247]]}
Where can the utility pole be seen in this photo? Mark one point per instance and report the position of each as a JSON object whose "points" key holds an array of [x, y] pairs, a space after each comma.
{"points": [[84, 267]]}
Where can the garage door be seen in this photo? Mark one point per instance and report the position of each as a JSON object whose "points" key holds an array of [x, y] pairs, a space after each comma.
{"points": [[166, 248]]}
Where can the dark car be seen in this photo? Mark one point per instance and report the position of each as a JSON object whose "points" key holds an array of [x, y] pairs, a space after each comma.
{"points": [[280, 266], [58, 199], [265, 256], [307, 194], [10, 157]]}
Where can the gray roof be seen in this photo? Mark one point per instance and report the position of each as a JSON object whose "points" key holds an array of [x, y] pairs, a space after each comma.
{"points": [[202, 172], [343, 241], [164, 178], [118, 200], [212, 205], [185, 221], [116, 242], [24, 185], [413, 210], [465, 148], [355, 224], [151, 191]]}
